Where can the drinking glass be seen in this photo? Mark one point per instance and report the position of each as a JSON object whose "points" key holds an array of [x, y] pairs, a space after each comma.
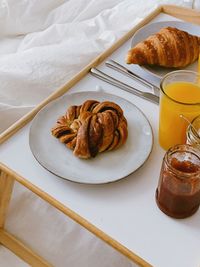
{"points": [[179, 99]]}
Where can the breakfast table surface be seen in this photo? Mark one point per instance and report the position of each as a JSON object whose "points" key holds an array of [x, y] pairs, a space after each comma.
{"points": [[125, 210]]}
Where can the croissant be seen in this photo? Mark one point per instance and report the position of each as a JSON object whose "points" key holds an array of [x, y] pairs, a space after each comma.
{"points": [[91, 128], [170, 47]]}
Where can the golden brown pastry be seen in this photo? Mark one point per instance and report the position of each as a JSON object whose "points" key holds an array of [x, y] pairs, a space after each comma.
{"points": [[91, 128], [170, 47]]}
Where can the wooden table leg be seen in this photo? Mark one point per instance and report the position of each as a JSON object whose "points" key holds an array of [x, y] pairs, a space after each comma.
{"points": [[6, 186], [7, 239], [22, 250]]}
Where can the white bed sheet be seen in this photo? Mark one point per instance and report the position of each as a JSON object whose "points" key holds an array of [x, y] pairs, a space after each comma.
{"points": [[42, 45]]}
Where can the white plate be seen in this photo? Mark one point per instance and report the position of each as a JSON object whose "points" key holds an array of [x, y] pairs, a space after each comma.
{"points": [[106, 166], [153, 28]]}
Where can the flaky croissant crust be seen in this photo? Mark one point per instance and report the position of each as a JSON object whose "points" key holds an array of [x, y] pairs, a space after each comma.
{"points": [[91, 128], [170, 47]]}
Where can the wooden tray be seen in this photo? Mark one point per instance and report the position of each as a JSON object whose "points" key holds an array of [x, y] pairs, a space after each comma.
{"points": [[8, 176]]}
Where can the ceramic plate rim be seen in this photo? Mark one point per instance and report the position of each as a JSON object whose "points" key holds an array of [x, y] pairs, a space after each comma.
{"points": [[52, 103], [161, 24]]}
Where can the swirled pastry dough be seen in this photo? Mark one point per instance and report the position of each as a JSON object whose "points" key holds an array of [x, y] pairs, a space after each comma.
{"points": [[91, 128]]}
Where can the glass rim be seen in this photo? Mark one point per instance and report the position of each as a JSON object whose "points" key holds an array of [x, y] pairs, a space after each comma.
{"points": [[196, 118], [174, 72], [190, 127]]}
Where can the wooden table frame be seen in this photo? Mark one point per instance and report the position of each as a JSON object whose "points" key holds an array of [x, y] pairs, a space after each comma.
{"points": [[8, 176]]}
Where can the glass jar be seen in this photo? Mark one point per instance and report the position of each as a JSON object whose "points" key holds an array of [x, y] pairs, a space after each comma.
{"points": [[192, 138], [178, 192]]}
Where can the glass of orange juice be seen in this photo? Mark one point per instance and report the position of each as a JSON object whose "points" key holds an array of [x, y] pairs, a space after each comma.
{"points": [[179, 98]]}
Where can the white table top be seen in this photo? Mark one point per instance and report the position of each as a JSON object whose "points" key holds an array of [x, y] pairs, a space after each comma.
{"points": [[125, 210]]}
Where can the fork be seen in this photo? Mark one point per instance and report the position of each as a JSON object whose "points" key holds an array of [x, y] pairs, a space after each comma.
{"points": [[111, 80], [118, 67]]}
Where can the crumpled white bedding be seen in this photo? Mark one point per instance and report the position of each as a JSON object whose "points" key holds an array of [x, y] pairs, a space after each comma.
{"points": [[42, 45]]}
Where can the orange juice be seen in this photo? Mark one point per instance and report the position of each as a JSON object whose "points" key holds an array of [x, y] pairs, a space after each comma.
{"points": [[179, 98]]}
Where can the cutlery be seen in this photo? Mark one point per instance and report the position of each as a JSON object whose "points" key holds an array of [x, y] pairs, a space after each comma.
{"points": [[118, 67], [111, 80]]}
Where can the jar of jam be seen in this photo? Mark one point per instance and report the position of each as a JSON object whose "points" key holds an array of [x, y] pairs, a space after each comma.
{"points": [[178, 192], [192, 137]]}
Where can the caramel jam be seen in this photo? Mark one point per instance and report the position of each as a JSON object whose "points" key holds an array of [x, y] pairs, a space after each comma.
{"points": [[178, 192]]}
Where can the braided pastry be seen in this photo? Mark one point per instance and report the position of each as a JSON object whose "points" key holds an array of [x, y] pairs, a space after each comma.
{"points": [[91, 128], [170, 47]]}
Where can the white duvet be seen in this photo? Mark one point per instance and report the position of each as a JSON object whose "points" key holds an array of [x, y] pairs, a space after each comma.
{"points": [[42, 45]]}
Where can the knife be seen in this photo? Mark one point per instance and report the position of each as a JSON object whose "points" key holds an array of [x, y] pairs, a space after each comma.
{"points": [[120, 68], [111, 80]]}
